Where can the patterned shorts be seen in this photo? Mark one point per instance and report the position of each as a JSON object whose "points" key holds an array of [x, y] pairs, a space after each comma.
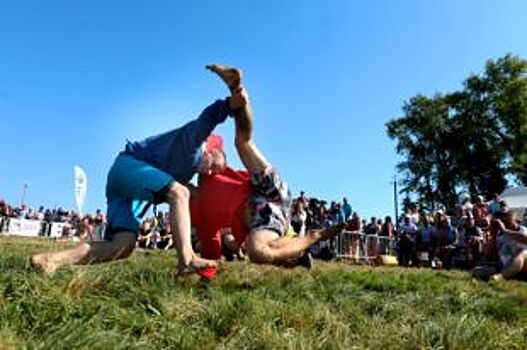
{"points": [[271, 202]]}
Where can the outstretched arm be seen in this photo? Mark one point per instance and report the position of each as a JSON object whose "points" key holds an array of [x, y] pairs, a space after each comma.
{"points": [[250, 155], [515, 235]]}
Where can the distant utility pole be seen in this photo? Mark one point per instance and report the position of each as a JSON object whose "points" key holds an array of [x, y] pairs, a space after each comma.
{"points": [[24, 192], [395, 201]]}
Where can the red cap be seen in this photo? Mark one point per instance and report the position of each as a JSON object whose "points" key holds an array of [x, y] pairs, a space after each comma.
{"points": [[213, 142]]}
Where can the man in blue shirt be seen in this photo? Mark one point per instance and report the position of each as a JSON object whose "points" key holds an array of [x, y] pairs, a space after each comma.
{"points": [[155, 170], [346, 209]]}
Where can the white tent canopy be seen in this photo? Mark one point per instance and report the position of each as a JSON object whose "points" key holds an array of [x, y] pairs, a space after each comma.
{"points": [[515, 197]]}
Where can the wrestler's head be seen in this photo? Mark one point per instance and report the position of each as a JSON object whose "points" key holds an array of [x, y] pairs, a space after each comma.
{"points": [[213, 160]]}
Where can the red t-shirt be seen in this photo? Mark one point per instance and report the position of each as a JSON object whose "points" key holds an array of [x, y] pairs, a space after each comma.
{"points": [[219, 204]]}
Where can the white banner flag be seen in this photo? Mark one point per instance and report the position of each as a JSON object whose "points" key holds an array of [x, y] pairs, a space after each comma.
{"points": [[81, 186]]}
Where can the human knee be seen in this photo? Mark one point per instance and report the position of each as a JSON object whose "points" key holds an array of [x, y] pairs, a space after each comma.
{"points": [[178, 192], [260, 254]]}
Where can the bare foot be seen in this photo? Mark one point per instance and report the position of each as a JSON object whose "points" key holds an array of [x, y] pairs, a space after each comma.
{"points": [[41, 262], [333, 231], [196, 263], [231, 76]]}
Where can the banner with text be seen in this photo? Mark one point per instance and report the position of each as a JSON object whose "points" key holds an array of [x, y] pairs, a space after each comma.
{"points": [[23, 227]]}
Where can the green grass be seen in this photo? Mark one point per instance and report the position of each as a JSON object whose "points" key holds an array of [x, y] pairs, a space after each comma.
{"points": [[137, 303]]}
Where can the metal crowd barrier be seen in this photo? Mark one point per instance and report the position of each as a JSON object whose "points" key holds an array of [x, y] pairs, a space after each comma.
{"points": [[53, 229], [358, 246]]}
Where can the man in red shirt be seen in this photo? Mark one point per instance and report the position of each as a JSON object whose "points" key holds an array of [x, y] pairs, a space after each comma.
{"points": [[255, 203]]}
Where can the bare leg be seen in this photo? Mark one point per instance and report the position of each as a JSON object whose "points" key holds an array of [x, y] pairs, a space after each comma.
{"points": [[266, 247], [188, 261], [517, 264], [87, 253]]}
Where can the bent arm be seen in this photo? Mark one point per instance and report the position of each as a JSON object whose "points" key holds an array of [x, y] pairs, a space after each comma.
{"points": [[517, 236], [249, 154]]}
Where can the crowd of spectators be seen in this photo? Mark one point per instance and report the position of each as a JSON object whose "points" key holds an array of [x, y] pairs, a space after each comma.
{"points": [[473, 234], [464, 237], [154, 233], [85, 227]]}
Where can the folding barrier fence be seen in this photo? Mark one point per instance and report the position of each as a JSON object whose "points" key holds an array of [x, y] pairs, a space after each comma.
{"points": [[362, 247], [37, 228]]}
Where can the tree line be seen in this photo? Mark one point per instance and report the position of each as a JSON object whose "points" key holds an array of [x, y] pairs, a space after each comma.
{"points": [[471, 141]]}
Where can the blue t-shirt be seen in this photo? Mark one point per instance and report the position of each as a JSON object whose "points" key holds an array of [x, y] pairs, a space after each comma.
{"points": [[178, 152]]}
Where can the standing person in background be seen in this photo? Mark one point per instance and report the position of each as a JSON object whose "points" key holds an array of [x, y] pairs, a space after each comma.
{"points": [[388, 232], [335, 213], [4, 208], [480, 211], [355, 226], [99, 221], [407, 242], [347, 210], [494, 204], [413, 213], [425, 238], [298, 218]]}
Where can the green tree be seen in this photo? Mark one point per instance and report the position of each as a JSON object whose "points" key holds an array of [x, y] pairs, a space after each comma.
{"points": [[468, 140], [501, 93], [422, 137]]}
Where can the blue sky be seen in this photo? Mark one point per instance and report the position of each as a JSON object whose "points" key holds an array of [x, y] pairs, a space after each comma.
{"points": [[77, 78]]}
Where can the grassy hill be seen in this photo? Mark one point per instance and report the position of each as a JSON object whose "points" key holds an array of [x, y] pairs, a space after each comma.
{"points": [[137, 303]]}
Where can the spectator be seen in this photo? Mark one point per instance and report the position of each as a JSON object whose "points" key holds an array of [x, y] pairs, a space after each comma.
{"points": [[464, 207], [99, 222], [373, 228], [494, 205], [406, 242], [413, 213], [481, 212], [425, 237], [335, 213], [347, 210], [85, 229], [445, 236], [40, 213], [5, 210], [504, 207], [145, 234], [298, 218], [302, 199], [363, 225], [512, 246], [165, 241], [67, 231], [472, 237], [351, 245], [388, 232], [387, 228], [22, 212]]}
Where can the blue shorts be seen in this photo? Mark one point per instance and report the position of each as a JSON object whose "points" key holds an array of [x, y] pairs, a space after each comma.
{"points": [[131, 186]]}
